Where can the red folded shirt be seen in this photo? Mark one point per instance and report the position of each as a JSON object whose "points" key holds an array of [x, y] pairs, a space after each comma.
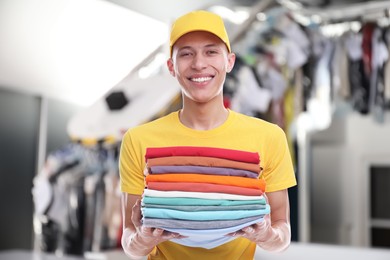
{"points": [[237, 155]]}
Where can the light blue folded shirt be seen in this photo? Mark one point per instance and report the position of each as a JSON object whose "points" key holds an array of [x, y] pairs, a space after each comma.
{"points": [[208, 238]]}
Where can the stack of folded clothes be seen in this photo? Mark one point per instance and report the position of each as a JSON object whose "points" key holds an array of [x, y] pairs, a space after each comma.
{"points": [[202, 193]]}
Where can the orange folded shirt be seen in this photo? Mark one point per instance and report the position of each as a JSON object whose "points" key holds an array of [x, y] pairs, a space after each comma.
{"points": [[204, 178]]}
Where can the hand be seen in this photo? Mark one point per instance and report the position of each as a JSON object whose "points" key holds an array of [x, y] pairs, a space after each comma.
{"points": [[146, 235], [258, 232], [272, 234]]}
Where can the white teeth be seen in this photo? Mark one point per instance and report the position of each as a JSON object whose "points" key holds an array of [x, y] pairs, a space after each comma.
{"points": [[201, 79]]}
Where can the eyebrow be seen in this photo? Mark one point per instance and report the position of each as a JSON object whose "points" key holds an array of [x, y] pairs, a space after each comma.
{"points": [[206, 46]]}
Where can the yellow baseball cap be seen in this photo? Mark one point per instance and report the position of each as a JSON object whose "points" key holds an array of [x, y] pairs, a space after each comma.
{"points": [[198, 21]]}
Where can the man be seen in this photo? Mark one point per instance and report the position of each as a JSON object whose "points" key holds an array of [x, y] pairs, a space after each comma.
{"points": [[200, 58]]}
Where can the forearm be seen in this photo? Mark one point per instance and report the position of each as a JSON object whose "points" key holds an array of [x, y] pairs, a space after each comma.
{"points": [[278, 237], [133, 246]]}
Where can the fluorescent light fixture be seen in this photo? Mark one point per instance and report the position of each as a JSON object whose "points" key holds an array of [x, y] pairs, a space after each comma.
{"points": [[236, 17], [261, 17], [291, 5]]}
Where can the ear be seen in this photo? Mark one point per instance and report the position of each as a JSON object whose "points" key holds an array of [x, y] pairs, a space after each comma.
{"points": [[171, 67], [231, 61]]}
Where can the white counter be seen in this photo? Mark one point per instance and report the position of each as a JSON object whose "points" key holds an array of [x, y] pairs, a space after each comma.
{"points": [[297, 251]]}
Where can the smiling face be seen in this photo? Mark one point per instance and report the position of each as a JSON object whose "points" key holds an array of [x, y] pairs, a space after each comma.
{"points": [[200, 61]]}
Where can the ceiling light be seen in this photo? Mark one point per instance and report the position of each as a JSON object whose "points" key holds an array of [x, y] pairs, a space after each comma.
{"points": [[261, 17], [236, 17]]}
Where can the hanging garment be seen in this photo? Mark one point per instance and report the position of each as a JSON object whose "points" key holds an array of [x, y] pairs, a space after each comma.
{"points": [[379, 56], [361, 91], [112, 209], [358, 81], [90, 205], [73, 242], [359, 86], [273, 81], [386, 71], [250, 97], [339, 69], [367, 31]]}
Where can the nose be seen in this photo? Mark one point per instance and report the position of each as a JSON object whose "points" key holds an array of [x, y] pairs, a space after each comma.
{"points": [[199, 62]]}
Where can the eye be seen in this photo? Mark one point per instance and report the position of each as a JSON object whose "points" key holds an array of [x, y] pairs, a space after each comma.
{"points": [[185, 54], [212, 52]]}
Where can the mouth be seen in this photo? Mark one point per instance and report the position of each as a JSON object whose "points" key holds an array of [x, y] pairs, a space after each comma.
{"points": [[200, 79]]}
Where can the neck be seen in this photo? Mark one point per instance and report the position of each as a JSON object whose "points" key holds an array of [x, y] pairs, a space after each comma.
{"points": [[203, 116]]}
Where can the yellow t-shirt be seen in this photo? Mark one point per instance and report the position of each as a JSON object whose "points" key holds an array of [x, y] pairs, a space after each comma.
{"points": [[239, 132]]}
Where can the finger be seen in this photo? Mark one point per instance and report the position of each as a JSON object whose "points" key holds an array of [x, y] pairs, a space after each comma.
{"points": [[236, 234], [265, 196], [170, 235], [165, 235], [136, 215], [157, 232], [263, 225], [267, 219], [146, 170], [181, 236], [248, 230]]}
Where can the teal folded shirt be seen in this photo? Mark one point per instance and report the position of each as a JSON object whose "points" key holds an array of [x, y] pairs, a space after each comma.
{"points": [[206, 208]]}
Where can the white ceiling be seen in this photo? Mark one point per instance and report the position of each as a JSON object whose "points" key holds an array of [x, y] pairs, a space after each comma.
{"points": [[174, 8], [76, 50], [73, 50]]}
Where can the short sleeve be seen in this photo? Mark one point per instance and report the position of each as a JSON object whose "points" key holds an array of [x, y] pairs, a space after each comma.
{"points": [[130, 167], [278, 169]]}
